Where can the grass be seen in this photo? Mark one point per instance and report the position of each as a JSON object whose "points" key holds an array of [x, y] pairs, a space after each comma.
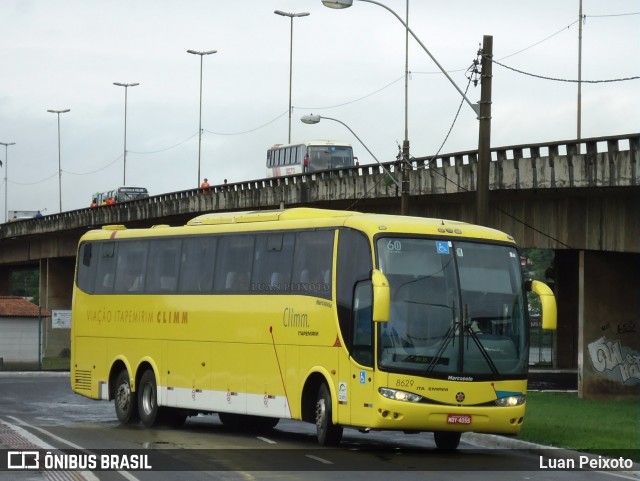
{"points": [[591, 425], [56, 363]]}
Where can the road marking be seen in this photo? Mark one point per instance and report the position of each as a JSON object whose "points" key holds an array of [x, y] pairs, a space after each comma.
{"points": [[316, 458], [266, 440], [87, 475]]}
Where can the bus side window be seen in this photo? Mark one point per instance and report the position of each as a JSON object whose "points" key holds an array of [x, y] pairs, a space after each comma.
{"points": [[106, 268], [312, 260], [87, 266], [196, 264], [362, 346], [131, 266], [354, 266], [234, 263], [163, 265], [272, 263]]}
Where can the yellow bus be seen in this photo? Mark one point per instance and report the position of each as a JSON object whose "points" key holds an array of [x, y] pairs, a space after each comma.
{"points": [[337, 318]]}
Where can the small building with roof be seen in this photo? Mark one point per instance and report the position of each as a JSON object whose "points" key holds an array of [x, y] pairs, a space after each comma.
{"points": [[20, 333]]}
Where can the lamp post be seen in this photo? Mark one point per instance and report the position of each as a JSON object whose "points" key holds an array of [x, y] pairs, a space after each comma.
{"points": [[126, 88], [339, 4], [202, 54], [314, 119], [6, 184], [58, 112], [291, 17]]}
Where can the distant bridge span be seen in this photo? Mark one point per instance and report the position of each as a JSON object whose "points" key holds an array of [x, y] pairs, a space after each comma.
{"points": [[561, 195]]}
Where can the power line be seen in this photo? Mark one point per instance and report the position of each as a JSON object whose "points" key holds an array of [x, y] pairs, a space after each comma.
{"points": [[355, 100], [97, 170], [250, 130], [473, 70], [613, 15], [514, 53], [165, 149], [543, 77]]}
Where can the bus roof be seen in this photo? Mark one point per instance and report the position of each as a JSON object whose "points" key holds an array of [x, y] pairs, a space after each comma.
{"points": [[313, 142], [301, 217]]}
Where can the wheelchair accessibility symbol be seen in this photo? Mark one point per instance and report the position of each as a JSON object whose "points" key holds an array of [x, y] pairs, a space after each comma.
{"points": [[363, 377], [442, 247]]}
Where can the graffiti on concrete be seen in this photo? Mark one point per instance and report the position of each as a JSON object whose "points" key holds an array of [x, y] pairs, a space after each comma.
{"points": [[619, 363]]}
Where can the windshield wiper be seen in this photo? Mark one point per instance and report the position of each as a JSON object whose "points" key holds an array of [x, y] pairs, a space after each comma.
{"points": [[476, 340], [451, 333]]}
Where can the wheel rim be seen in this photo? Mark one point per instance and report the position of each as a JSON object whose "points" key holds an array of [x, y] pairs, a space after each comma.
{"points": [[321, 415], [148, 399], [123, 396]]}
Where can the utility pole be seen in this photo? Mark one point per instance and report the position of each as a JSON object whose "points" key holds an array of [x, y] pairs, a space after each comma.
{"points": [[484, 133], [580, 72], [406, 156]]}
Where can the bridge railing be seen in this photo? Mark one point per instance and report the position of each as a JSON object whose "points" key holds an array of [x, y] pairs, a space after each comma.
{"points": [[531, 166]]}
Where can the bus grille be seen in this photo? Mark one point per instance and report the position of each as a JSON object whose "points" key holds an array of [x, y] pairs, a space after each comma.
{"points": [[83, 380]]}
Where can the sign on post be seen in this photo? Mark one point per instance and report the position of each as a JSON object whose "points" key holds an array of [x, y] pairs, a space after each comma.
{"points": [[61, 319]]}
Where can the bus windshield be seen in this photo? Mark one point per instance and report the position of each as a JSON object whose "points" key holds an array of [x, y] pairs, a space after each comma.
{"points": [[324, 157], [457, 309]]}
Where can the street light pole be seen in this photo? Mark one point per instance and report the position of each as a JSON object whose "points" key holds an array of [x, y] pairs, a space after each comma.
{"points": [[404, 202], [126, 87], [58, 112], [291, 17], [314, 119], [6, 183], [202, 54], [347, 3]]}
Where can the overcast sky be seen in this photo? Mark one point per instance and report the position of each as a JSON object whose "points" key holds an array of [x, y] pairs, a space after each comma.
{"points": [[347, 64]]}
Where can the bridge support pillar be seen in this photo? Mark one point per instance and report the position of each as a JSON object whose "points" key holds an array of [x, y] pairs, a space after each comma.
{"points": [[609, 309], [56, 291], [5, 280], [566, 289]]}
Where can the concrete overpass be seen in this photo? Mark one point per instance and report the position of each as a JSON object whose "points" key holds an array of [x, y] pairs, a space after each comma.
{"points": [[580, 198]]}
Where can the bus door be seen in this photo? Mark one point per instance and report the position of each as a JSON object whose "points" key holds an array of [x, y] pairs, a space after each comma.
{"points": [[361, 379]]}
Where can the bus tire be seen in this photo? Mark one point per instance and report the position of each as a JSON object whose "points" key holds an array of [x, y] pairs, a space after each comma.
{"points": [[148, 399], [447, 440], [125, 400], [328, 433]]}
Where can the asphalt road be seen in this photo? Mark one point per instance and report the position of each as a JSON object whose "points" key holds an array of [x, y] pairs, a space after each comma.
{"points": [[38, 411]]}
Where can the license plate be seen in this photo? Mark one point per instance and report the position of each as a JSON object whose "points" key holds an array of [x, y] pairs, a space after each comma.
{"points": [[459, 419]]}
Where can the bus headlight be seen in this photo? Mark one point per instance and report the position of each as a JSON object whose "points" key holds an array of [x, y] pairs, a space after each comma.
{"points": [[397, 395], [511, 401]]}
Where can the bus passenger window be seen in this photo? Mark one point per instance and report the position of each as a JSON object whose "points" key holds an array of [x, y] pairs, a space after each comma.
{"points": [[87, 268], [234, 263], [163, 265], [131, 266], [312, 263], [196, 264], [272, 263], [106, 268]]}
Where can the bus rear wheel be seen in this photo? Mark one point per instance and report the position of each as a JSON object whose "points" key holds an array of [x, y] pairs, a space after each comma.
{"points": [[447, 440], [328, 433], [125, 400], [148, 399]]}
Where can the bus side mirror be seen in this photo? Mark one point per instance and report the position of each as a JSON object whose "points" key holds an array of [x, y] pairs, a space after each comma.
{"points": [[547, 302], [381, 296]]}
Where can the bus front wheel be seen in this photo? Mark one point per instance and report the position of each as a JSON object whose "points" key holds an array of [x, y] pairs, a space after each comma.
{"points": [[125, 399], [447, 440], [328, 433], [148, 399]]}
